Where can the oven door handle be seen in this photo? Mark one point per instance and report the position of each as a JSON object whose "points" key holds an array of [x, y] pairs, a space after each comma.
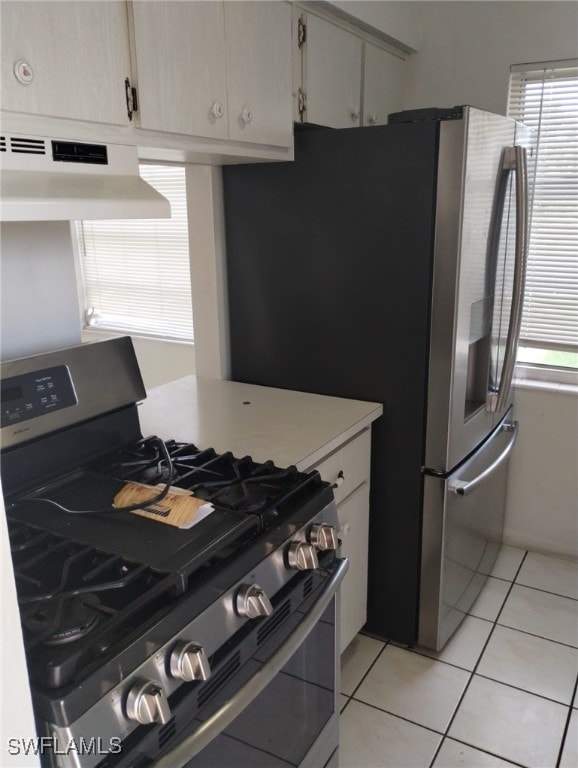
{"points": [[224, 716]]}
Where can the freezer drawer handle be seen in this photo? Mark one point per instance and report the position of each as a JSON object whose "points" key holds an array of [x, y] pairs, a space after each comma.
{"points": [[219, 720], [463, 488]]}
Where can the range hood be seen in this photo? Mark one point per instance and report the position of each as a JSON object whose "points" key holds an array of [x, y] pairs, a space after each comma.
{"points": [[46, 179]]}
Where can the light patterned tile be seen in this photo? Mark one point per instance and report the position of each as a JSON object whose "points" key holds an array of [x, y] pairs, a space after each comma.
{"points": [[513, 724], [570, 752], [463, 649], [491, 599], [541, 613], [455, 755], [371, 738], [356, 659], [342, 701], [552, 574], [537, 665], [420, 689], [507, 562]]}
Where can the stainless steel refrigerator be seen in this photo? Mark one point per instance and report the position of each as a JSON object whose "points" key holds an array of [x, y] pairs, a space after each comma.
{"points": [[387, 264]]}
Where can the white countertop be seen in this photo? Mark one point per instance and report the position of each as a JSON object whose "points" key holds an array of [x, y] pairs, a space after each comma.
{"points": [[285, 426]]}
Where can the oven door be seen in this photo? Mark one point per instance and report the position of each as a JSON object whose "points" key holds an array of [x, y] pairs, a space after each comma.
{"points": [[272, 698]]}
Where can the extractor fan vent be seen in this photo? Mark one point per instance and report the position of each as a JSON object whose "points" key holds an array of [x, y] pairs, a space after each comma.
{"points": [[27, 146]]}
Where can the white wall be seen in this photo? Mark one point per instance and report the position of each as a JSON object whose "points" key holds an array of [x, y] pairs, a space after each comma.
{"points": [[39, 309], [208, 272], [159, 361], [465, 48], [38, 302], [395, 20], [542, 503]]}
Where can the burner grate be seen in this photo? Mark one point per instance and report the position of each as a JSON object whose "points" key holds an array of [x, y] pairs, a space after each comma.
{"points": [[237, 484], [99, 592], [76, 601]]}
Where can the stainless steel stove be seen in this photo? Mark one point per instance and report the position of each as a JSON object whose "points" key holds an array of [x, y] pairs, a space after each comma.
{"points": [[147, 643]]}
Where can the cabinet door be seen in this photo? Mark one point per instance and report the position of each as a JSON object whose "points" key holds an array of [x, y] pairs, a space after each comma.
{"points": [[333, 75], [347, 469], [77, 57], [354, 535], [181, 67], [382, 85], [258, 42]]}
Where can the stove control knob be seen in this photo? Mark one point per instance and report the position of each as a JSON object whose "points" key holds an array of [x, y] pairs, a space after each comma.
{"points": [[323, 537], [252, 602], [302, 556], [146, 703], [188, 661]]}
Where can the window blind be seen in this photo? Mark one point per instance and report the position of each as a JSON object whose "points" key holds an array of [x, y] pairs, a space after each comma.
{"points": [[546, 98], [136, 272]]}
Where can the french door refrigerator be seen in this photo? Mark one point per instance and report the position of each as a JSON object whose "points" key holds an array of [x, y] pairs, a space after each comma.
{"points": [[387, 264]]}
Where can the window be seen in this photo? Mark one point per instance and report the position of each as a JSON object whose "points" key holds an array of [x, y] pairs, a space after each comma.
{"points": [[136, 272], [545, 96]]}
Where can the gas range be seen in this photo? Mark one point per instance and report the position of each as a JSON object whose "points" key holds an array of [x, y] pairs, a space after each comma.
{"points": [[133, 628]]}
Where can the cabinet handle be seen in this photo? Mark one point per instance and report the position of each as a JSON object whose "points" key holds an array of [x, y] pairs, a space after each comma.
{"points": [[339, 480], [246, 115], [355, 113], [131, 98], [217, 110], [372, 119]]}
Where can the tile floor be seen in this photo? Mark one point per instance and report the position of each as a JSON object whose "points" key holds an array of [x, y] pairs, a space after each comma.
{"points": [[501, 693]]}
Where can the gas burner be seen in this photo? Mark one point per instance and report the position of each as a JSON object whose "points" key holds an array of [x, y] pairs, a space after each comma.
{"points": [[144, 461], [236, 496], [64, 620], [156, 474]]}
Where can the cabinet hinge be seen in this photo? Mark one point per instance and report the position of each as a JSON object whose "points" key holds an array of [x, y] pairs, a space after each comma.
{"points": [[131, 98], [301, 103], [301, 32]]}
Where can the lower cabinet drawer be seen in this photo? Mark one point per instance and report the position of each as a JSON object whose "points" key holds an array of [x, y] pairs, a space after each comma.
{"points": [[354, 534], [348, 466]]}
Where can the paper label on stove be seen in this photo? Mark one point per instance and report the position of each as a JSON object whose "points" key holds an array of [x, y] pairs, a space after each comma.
{"points": [[179, 508]]}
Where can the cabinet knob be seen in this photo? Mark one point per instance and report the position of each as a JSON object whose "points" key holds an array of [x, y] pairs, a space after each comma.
{"points": [[372, 119], [217, 110], [355, 113], [339, 480], [246, 115], [23, 72]]}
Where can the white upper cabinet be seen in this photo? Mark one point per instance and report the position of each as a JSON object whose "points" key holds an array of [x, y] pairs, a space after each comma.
{"points": [[341, 78], [332, 75], [258, 43], [382, 84], [181, 67], [215, 70], [66, 59]]}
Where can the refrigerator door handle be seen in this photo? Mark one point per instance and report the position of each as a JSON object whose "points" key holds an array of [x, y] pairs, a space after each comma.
{"points": [[464, 488], [515, 159]]}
